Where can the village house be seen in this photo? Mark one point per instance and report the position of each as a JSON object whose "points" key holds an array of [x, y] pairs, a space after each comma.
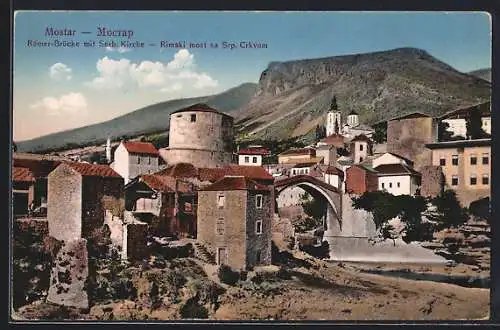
{"points": [[23, 190], [293, 156], [78, 196], [234, 222], [132, 158], [34, 168], [335, 140], [354, 128], [252, 155], [167, 200], [457, 119], [398, 179], [360, 179], [466, 166], [328, 153], [360, 148], [333, 176]]}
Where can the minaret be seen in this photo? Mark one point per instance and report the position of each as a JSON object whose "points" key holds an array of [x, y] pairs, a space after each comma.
{"points": [[333, 119], [108, 150]]}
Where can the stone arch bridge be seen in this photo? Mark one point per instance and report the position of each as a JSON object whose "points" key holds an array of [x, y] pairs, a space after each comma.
{"points": [[318, 189]]}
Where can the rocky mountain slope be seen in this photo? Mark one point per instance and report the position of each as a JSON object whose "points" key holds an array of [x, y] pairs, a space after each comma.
{"points": [[482, 73], [152, 118], [294, 96]]}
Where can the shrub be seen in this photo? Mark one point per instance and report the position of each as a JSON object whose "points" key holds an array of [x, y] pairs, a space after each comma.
{"points": [[450, 212], [227, 275]]}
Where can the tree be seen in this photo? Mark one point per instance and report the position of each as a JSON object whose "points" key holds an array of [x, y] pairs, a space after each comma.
{"points": [[380, 204], [318, 133], [342, 152], [449, 211], [380, 134], [443, 133], [474, 126]]}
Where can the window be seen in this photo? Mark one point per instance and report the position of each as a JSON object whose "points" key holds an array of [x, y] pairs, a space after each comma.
{"points": [[399, 185], [360, 147], [193, 118], [258, 201], [454, 160], [149, 160], [258, 227], [247, 159], [220, 201], [294, 172], [219, 226], [138, 159], [486, 179], [257, 257], [390, 184], [486, 159], [302, 171], [442, 161], [473, 180], [254, 160], [473, 160], [454, 180], [360, 159], [383, 185]]}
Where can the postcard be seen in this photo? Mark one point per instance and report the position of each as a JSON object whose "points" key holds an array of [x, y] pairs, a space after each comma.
{"points": [[250, 165]]}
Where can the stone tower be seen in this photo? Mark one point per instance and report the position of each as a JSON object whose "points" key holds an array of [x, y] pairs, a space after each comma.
{"points": [[200, 135], [333, 119]]}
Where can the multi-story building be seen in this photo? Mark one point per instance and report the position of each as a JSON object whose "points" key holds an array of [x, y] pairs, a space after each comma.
{"points": [[360, 179], [293, 156], [457, 119], [360, 148], [328, 152], [466, 166], [234, 221], [133, 158]]}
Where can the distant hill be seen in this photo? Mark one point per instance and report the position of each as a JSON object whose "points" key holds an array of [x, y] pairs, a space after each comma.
{"points": [[482, 73], [294, 96], [149, 119]]}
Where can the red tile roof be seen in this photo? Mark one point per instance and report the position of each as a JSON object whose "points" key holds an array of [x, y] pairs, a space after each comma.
{"points": [[254, 151], [333, 170], [158, 182], [301, 151], [235, 183], [252, 172], [22, 174], [40, 168], [93, 169], [201, 107], [395, 169], [180, 170], [210, 174], [140, 147], [333, 139]]}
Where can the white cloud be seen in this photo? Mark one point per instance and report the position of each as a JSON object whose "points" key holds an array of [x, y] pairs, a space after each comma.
{"points": [[60, 71], [120, 50], [178, 75], [71, 103]]}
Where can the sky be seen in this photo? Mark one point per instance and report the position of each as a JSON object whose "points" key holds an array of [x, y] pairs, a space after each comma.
{"points": [[58, 87]]}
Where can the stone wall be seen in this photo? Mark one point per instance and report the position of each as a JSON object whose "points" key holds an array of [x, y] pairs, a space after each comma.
{"points": [[64, 211], [69, 275], [407, 137], [135, 235], [432, 181], [359, 181], [258, 243]]}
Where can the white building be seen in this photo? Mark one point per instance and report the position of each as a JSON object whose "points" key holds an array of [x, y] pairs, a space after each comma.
{"points": [[328, 152], [252, 156], [398, 179], [333, 176], [134, 158], [333, 119], [457, 119], [353, 119], [360, 148], [391, 158]]}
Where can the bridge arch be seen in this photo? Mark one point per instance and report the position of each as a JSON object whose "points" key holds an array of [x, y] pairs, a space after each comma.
{"points": [[316, 187]]}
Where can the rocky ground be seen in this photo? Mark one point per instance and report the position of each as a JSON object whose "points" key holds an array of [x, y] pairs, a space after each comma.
{"points": [[297, 287]]}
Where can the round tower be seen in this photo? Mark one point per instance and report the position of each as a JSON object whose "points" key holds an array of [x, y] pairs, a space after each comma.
{"points": [[353, 119], [200, 135]]}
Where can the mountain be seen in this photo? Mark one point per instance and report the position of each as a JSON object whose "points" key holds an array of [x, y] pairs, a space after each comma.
{"points": [[152, 118], [482, 73], [294, 96]]}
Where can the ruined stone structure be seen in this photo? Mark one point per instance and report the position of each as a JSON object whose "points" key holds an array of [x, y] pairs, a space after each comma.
{"points": [[235, 221], [432, 181], [200, 135], [407, 136]]}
